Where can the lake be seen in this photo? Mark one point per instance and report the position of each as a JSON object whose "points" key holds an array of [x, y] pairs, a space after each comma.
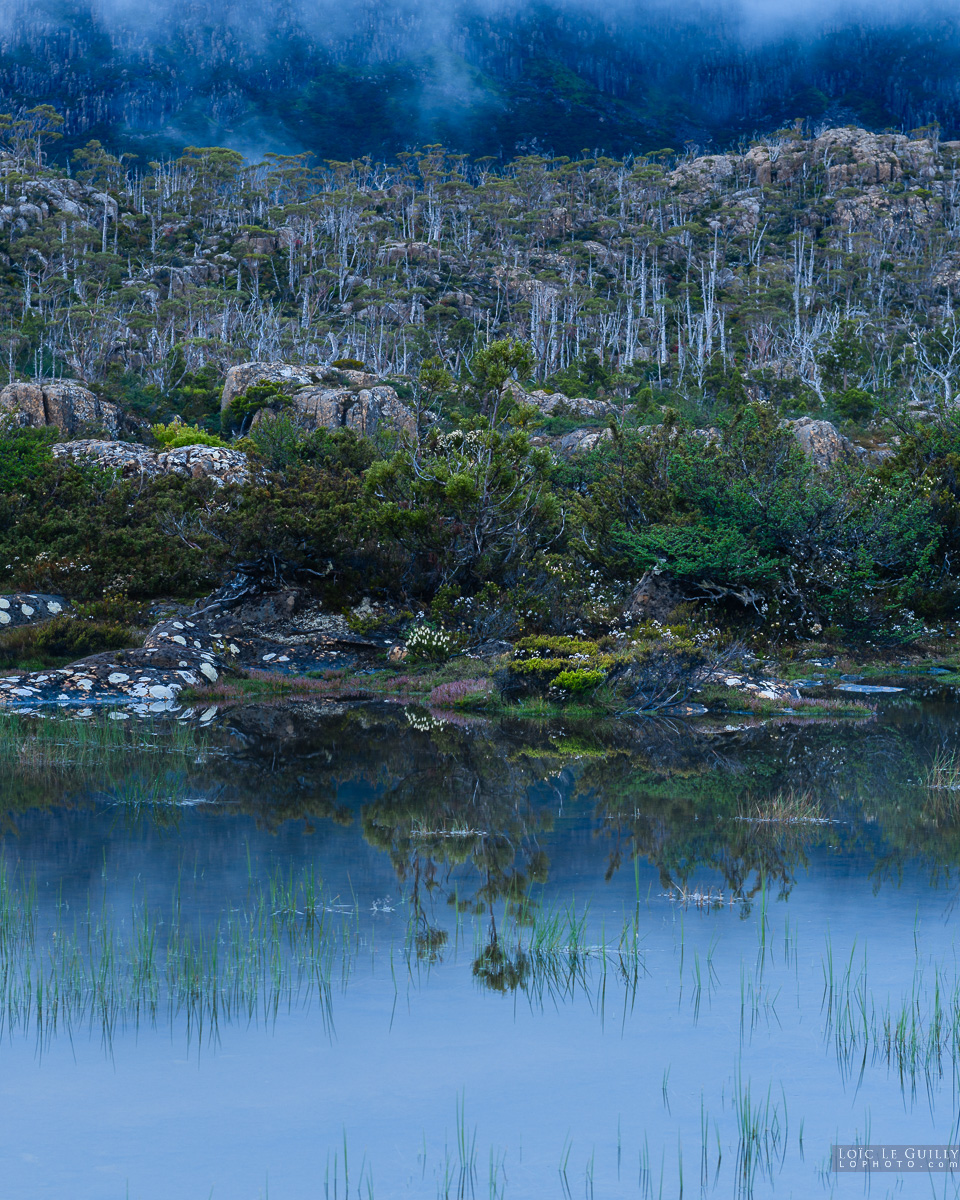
{"points": [[312, 950]]}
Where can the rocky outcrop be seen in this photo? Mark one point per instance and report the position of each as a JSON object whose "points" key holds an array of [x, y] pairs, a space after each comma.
{"points": [[552, 403], [27, 608], [851, 156], [284, 628], [196, 462], [392, 252], [579, 441], [325, 397], [822, 442], [848, 156], [249, 374], [67, 405], [379, 408], [703, 174], [283, 631], [365, 411], [147, 680], [43, 198]]}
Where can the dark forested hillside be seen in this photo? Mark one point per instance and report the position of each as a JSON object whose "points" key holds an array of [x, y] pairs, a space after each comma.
{"points": [[561, 76]]}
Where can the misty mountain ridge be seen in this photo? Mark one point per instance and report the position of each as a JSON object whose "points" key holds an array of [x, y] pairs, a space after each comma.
{"points": [[484, 79]]}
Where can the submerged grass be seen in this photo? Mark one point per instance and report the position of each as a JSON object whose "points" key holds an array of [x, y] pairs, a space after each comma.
{"points": [[550, 956]]}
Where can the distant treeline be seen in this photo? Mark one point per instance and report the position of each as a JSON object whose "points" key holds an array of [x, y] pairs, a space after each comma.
{"points": [[384, 77]]}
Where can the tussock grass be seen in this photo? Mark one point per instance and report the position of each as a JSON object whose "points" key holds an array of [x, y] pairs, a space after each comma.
{"points": [[785, 808], [916, 1035], [941, 783], [943, 775]]}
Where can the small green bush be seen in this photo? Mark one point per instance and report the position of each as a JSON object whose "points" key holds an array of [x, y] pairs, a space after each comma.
{"points": [[176, 434], [545, 663], [579, 680], [243, 408], [855, 405]]}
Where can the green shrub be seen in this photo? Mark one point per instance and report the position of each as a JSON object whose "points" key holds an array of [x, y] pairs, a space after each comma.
{"points": [[243, 408], [544, 663], [24, 454], [855, 405], [579, 680], [747, 517], [76, 529], [176, 434]]}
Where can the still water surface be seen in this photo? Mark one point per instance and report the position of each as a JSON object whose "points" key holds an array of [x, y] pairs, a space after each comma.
{"points": [[307, 953]]}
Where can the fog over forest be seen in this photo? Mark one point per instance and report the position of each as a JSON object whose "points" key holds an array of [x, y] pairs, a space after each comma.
{"points": [[481, 76]]}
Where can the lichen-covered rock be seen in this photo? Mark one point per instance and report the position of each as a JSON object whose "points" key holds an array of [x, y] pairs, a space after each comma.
{"points": [[379, 408], [324, 398], [551, 402], [703, 173], [354, 379], [284, 631], [365, 411], [579, 441], [67, 405], [851, 156], [27, 608], [220, 464], [409, 252], [247, 375], [148, 679], [321, 407], [203, 462], [125, 457], [822, 442]]}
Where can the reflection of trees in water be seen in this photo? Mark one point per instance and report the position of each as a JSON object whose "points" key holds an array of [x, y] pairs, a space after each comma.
{"points": [[500, 969], [460, 810], [462, 829]]}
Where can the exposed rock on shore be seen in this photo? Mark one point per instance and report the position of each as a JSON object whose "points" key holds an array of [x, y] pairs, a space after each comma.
{"points": [[29, 608], [281, 631], [150, 679]]}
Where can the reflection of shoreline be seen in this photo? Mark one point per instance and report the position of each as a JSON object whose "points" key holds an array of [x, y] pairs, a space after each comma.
{"points": [[433, 789]]}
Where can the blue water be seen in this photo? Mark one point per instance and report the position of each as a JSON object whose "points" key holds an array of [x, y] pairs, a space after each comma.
{"points": [[437, 1085]]}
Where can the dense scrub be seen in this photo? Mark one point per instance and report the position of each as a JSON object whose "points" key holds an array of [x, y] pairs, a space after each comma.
{"points": [[496, 538], [698, 303]]}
